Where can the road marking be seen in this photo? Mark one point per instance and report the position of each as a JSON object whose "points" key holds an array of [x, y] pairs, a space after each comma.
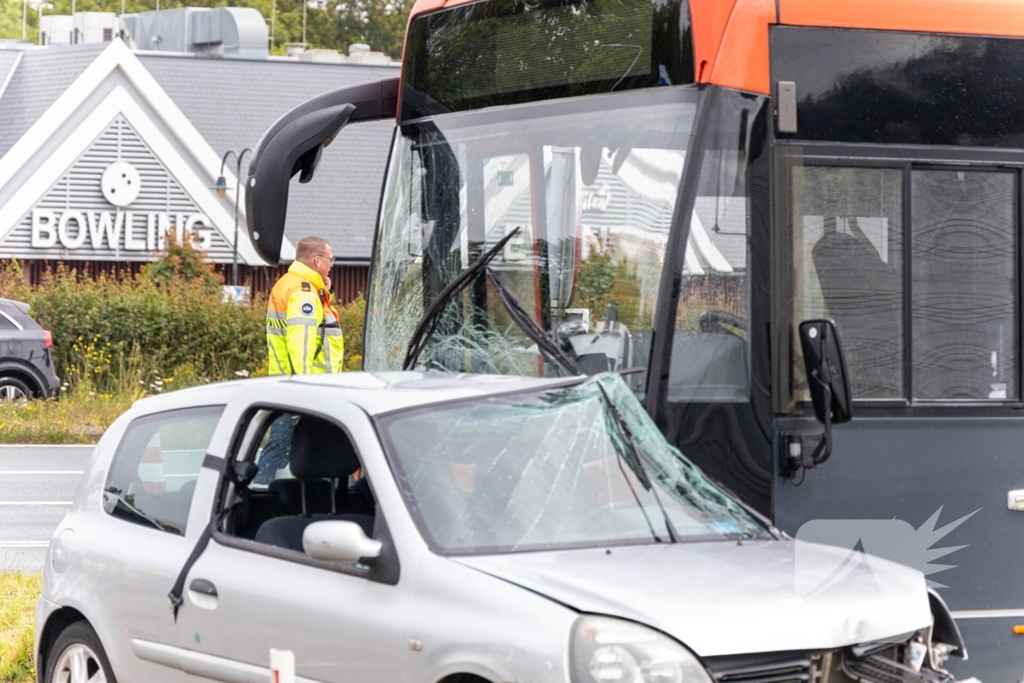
{"points": [[37, 472], [36, 502], [24, 544]]}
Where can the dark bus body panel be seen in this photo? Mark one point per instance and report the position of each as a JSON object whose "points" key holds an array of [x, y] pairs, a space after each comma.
{"points": [[911, 469], [919, 449]]}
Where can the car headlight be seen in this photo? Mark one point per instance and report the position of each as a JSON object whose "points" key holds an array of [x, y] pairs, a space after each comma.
{"points": [[606, 650]]}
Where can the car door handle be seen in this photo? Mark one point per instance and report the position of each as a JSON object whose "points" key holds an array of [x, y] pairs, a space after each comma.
{"points": [[203, 587], [1015, 500]]}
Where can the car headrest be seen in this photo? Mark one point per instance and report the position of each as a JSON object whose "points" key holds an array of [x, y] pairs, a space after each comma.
{"points": [[321, 450]]}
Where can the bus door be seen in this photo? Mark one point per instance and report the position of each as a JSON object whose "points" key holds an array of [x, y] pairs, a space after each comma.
{"points": [[917, 260]]}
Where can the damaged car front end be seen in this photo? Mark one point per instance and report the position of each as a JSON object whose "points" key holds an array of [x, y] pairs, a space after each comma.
{"points": [[573, 494]]}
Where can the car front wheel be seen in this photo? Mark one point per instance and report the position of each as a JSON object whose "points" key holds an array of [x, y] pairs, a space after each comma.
{"points": [[78, 657]]}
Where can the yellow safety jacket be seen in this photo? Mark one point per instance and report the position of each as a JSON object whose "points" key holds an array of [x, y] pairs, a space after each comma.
{"points": [[303, 335]]}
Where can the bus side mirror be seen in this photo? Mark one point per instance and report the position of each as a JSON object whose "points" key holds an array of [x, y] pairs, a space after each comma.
{"points": [[825, 367], [294, 144], [829, 385]]}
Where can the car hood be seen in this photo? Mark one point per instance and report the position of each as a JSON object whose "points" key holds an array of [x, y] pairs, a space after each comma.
{"points": [[725, 597]]}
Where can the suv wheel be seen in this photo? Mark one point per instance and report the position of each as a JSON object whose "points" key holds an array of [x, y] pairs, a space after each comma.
{"points": [[13, 389], [78, 657]]}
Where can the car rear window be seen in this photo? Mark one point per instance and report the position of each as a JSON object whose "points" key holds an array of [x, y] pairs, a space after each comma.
{"points": [[154, 472]]}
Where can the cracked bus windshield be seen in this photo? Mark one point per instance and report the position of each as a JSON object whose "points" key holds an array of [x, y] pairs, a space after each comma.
{"points": [[588, 186], [551, 469]]}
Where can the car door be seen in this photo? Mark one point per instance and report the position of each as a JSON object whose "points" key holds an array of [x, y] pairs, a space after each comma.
{"points": [[244, 598], [135, 544]]}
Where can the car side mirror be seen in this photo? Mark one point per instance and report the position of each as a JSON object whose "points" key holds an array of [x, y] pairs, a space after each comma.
{"points": [[336, 541], [829, 385], [825, 367], [294, 145]]}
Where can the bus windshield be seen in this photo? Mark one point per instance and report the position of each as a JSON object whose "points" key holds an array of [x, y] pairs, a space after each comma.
{"points": [[589, 185]]}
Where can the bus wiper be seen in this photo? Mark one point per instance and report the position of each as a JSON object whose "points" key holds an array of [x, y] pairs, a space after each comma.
{"points": [[638, 469], [530, 327], [432, 316]]}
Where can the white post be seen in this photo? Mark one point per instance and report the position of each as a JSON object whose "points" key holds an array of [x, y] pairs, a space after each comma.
{"points": [[282, 666], [305, 3], [24, 20]]}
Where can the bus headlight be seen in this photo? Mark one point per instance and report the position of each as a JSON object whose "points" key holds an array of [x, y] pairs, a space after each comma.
{"points": [[606, 650]]}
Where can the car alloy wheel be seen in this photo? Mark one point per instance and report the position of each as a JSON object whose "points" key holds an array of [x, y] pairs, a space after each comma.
{"points": [[11, 392], [78, 664]]}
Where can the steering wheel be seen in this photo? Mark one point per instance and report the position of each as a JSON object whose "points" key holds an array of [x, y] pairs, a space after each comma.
{"points": [[722, 322]]}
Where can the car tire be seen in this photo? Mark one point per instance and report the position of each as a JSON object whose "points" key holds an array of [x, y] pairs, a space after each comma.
{"points": [[13, 388], [78, 657]]}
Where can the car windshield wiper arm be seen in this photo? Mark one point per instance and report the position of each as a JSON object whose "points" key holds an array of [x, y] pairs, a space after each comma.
{"points": [[428, 323], [530, 327], [638, 469]]}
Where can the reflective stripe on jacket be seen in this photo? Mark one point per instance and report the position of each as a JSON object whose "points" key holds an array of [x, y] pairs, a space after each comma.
{"points": [[303, 335]]}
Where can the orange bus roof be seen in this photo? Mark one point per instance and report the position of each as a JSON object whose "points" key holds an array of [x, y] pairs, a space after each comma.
{"points": [[730, 37]]}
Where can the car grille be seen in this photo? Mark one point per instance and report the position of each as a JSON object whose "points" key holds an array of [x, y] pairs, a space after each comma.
{"points": [[819, 667], [775, 667]]}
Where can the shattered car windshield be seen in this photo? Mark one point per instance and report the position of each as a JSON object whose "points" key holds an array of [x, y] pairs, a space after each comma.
{"points": [[588, 185], [552, 469]]}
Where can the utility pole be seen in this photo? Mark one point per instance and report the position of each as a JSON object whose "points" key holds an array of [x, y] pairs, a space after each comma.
{"points": [[273, 22], [40, 22], [24, 21], [304, 5]]}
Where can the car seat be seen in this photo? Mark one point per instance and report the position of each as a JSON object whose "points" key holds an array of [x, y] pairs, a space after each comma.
{"points": [[320, 451]]}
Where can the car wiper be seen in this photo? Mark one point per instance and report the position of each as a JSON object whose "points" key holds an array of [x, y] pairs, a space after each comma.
{"points": [[428, 323], [530, 328], [122, 504], [638, 469]]}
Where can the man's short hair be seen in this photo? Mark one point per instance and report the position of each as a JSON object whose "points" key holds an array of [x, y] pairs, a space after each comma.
{"points": [[308, 247]]}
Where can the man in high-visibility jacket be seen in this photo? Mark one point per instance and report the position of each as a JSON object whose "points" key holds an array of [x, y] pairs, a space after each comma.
{"points": [[303, 337]]}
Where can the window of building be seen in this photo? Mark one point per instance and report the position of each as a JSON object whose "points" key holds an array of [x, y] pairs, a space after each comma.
{"points": [[945, 330], [155, 469]]}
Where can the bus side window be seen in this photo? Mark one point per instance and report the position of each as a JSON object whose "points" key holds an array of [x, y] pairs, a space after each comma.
{"points": [[963, 303], [848, 266], [849, 239]]}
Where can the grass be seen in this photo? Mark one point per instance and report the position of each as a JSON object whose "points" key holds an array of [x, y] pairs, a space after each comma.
{"points": [[77, 417], [18, 593]]}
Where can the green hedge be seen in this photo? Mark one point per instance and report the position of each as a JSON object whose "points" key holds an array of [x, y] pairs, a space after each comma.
{"points": [[167, 325]]}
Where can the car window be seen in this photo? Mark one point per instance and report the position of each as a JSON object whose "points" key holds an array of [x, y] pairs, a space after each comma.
{"points": [[5, 321], [284, 492], [154, 472]]}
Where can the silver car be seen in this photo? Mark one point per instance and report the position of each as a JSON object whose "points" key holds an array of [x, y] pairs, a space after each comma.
{"points": [[448, 528]]}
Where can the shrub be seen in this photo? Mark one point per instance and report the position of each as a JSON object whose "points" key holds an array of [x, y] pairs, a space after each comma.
{"points": [[18, 593], [350, 318]]}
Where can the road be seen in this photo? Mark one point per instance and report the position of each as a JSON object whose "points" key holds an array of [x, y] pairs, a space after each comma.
{"points": [[37, 485]]}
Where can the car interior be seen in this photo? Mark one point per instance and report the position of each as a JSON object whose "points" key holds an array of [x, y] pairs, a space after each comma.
{"points": [[316, 476]]}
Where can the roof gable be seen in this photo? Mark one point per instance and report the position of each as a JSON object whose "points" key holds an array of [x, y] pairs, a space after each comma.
{"points": [[151, 113]]}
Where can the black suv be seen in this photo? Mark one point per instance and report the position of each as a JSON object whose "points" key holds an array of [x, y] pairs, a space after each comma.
{"points": [[26, 363]]}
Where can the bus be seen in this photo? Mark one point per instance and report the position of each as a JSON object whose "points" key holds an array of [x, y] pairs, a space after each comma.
{"points": [[699, 193]]}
